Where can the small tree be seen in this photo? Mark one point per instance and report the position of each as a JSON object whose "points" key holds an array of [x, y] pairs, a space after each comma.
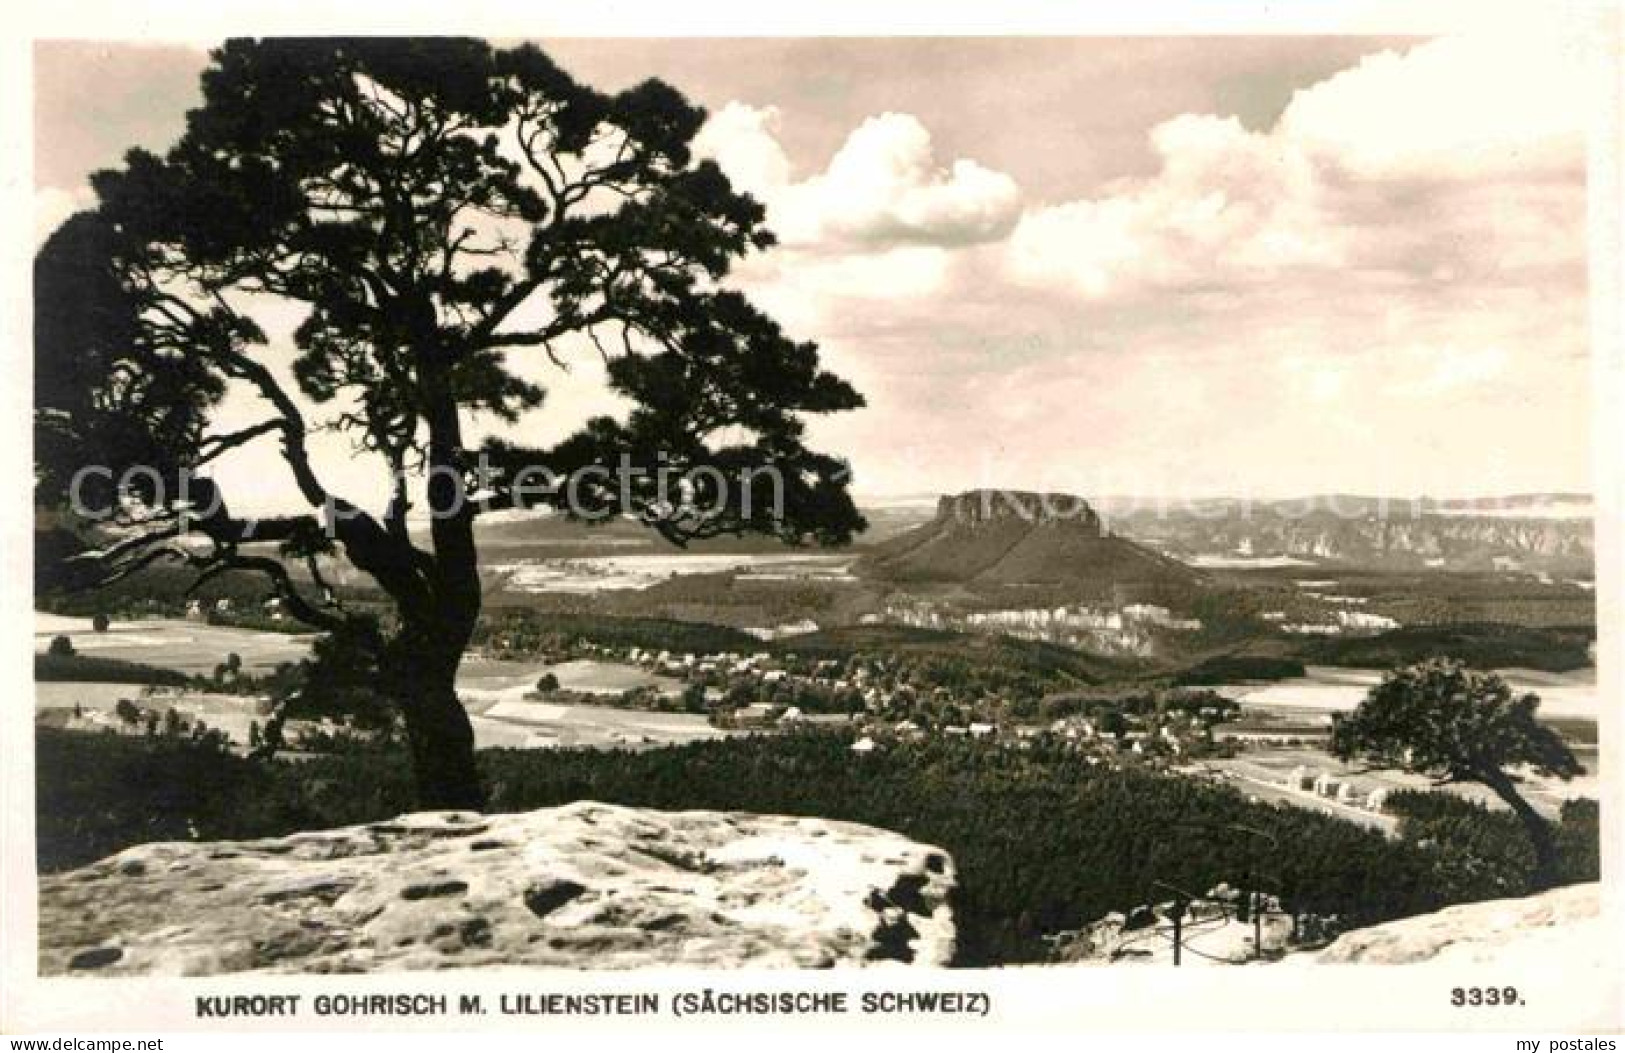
{"points": [[229, 671], [270, 738], [61, 647], [99, 622], [1453, 724], [547, 683]]}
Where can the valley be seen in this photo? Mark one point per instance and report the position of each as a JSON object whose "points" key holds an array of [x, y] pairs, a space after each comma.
{"points": [[1018, 625]]}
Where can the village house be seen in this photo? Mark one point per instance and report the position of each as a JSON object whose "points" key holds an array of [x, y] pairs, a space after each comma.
{"points": [[757, 714]]}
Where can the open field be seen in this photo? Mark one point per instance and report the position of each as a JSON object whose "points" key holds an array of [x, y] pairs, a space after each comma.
{"points": [[494, 690], [1246, 775], [1227, 562], [1260, 772], [1303, 706], [487, 678], [188, 646], [644, 570], [1332, 689], [541, 725], [507, 722], [231, 714], [495, 693]]}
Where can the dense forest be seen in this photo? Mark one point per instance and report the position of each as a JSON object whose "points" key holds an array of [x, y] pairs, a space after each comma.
{"points": [[530, 633], [1487, 847], [1482, 645], [1044, 840]]}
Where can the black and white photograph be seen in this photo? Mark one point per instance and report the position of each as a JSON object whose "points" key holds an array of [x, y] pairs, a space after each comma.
{"points": [[969, 509]]}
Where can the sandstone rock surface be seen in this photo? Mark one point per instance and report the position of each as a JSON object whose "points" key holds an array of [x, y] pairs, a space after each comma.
{"points": [[1562, 928], [586, 885]]}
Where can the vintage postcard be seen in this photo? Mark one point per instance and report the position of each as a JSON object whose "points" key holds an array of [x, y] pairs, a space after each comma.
{"points": [[825, 524]]}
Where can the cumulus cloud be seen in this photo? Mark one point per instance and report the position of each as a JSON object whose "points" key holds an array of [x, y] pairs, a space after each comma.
{"points": [[883, 188], [817, 292], [1458, 108], [1383, 290], [1462, 153], [1386, 286], [1225, 201], [743, 141], [882, 223]]}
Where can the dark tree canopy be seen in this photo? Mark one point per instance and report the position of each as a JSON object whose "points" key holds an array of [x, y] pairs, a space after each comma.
{"points": [[437, 211], [416, 195], [1455, 724], [104, 392]]}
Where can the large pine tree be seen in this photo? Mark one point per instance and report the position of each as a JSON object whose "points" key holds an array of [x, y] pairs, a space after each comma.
{"points": [[434, 208]]}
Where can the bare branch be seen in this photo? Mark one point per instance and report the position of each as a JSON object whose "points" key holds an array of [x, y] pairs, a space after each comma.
{"points": [[213, 446], [113, 553]]}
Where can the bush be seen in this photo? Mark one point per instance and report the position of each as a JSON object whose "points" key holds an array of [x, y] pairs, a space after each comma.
{"points": [[99, 622], [1579, 841], [61, 647]]}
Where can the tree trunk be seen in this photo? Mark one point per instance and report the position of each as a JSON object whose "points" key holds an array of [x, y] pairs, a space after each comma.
{"points": [[1545, 874], [431, 644], [422, 672]]}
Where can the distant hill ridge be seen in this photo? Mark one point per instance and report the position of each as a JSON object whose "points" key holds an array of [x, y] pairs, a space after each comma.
{"points": [[1479, 538], [1013, 537]]}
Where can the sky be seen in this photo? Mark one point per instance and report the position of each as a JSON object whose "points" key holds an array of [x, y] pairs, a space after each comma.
{"points": [[1252, 266]]}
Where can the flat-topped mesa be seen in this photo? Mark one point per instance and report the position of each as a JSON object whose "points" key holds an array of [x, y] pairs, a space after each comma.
{"points": [[1018, 537], [986, 506]]}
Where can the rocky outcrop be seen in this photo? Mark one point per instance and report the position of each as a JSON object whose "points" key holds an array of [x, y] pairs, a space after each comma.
{"points": [[1558, 928], [989, 506], [583, 886], [1010, 537], [1562, 928]]}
